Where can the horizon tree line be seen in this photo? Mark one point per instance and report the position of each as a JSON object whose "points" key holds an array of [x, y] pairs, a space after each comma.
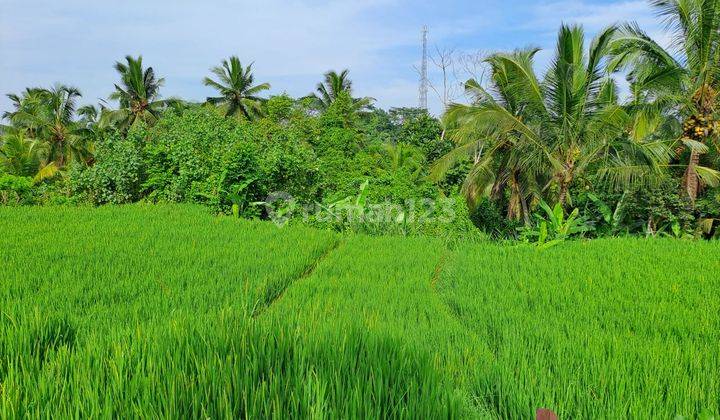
{"points": [[530, 136]]}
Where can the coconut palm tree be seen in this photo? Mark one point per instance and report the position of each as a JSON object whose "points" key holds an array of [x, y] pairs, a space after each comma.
{"points": [[235, 83], [530, 138], [328, 91], [138, 94], [20, 155], [28, 103], [684, 80], [89, 115], [48, 115], [502, 161], [401, 156], [24, 156]]}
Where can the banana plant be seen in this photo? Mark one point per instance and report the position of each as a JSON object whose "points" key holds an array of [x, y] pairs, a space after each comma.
{"points": [[358, 202], [358, 215], [706, 225], [612, 217], [238, 196], [675, 230], [553, 226]]}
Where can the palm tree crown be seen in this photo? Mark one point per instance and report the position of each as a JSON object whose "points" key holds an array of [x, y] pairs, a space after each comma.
{"points": [[235, 85], [684, 81], [47, 115], [329, 90], [137, 93], [531, 138]]}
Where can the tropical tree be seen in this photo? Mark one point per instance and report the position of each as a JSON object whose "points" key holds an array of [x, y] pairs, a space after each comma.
{"points": [[401, 156], [684, 80], [137, 93], [329, 90], [531, 138], [21, 155], [48, 115], [28, 103], [89, 115], [238, 94], [503, 163]]}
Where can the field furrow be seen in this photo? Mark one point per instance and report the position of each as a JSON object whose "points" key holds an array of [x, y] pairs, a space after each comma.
{"points": [[152, 311], [384, 286], [273, 294]]}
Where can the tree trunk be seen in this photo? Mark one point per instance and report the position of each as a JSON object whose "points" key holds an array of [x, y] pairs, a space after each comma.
{"points": [[690, 180], [61, 154], [564, 187], [515, 202], [650, 231], [566, 179], [563, 193], [525, 211]]}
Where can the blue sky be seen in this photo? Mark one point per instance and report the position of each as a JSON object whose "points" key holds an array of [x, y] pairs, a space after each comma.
{"points": [[292, 42]]}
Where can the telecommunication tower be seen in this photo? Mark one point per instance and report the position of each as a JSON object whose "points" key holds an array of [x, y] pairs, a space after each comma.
{"points": [[423, 70]]}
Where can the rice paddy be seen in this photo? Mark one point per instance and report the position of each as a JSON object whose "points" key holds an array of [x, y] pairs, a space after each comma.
{"points": [[168, 311]]}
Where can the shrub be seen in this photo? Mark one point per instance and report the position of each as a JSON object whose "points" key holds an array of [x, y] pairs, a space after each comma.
{"points": [[656, 208], [197, 156], [237, 181], [708, 209], [118, 172], [424, 132], [15, 190], [488, 217], [341, 113], [435, 216], [56, 192], [201, 157], [291, 167], [452, 222], [279, 108], [183, 149]]}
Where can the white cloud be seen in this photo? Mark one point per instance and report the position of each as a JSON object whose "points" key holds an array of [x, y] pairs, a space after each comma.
{"points": [[76, 42], [398, 92], [292, 42], [592, 16]]}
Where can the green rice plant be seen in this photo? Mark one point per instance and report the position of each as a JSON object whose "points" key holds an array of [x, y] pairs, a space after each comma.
{"points": [[170, 312], [222, 366], [179, 256], [621, 328], [386, 286], [147, 312]]}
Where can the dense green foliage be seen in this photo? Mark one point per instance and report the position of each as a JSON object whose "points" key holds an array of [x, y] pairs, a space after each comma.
{"points": [[116, 176], [642, 165], [197, 154], [167, 311], [150, 306], [15, 189]]}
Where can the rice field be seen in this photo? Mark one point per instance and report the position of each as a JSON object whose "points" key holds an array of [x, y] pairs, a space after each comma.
{"points": [[617, 328], [168, 311]]}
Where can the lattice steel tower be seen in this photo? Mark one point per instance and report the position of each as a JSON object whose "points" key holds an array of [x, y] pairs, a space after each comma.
{"points": [[424, 70]]}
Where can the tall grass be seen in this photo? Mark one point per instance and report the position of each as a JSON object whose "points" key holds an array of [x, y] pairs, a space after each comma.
{"points": [[147, 312], [385, 286], [166, 311], [217, 367], [617, 328]]}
